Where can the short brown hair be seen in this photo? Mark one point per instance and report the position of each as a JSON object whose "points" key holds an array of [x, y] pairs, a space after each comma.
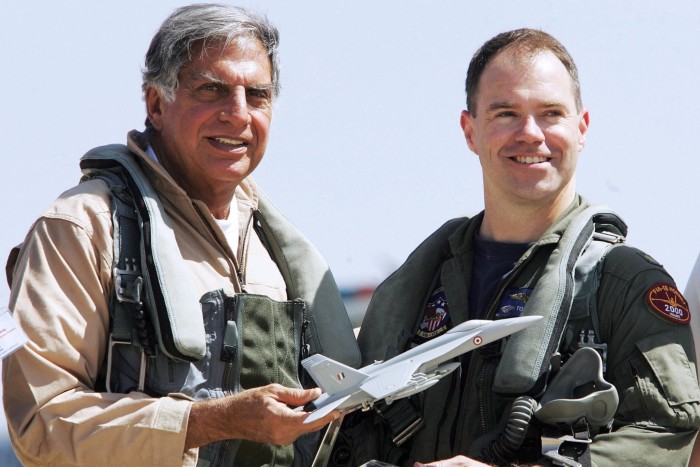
{"points": [[523, 42]]}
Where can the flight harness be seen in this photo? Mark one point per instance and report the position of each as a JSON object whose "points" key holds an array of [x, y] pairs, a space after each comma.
{"points": [[152, 307], [531, 363]]}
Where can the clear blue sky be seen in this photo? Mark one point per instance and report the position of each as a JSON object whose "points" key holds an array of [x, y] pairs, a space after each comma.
{"points": [[366, 153]]}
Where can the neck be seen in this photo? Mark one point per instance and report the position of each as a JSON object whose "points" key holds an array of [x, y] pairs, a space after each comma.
{"points": [[523, 223], [217, 197]]}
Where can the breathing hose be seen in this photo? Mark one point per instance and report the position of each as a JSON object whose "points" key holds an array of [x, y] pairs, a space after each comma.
{"points": [[503, 448]]}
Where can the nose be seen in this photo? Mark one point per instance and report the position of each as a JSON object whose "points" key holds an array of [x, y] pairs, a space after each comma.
{"points": [[530, 131], [236, 108]]}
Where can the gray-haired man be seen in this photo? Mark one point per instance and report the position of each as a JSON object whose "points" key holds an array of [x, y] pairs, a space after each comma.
{"points": [[181, 342]]}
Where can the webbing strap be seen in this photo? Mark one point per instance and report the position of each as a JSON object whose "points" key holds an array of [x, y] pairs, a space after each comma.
{"points": [[170, 298], [527, 354]]}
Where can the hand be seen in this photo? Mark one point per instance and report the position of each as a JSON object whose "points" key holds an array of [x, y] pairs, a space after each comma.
{"points": [[458, 461], [261, 414]]}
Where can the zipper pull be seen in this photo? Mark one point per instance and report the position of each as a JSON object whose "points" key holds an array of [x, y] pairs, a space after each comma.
{"points": [[305, 348]]}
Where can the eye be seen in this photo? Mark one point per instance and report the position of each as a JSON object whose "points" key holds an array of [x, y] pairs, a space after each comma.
{"points": [[505, 114], [258, 97], [554, 113], [210, 87]]}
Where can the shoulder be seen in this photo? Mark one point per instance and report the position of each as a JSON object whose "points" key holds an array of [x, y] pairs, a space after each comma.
{"points": [[626, 262], [632, 279], [440, 239], [85, 205]]}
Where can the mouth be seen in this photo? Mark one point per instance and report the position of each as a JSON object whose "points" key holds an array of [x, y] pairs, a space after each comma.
{"points": [[228, 142], [531, 159]]}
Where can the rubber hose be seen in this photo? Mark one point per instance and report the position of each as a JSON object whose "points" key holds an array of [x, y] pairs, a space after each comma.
{"points": [[504, 447]]}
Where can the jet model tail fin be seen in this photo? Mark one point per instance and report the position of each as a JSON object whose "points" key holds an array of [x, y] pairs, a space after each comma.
{"points": [[331, 376]]}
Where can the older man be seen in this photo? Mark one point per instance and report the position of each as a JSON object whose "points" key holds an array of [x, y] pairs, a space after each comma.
{"points": [[538, 248], [167, 301]]}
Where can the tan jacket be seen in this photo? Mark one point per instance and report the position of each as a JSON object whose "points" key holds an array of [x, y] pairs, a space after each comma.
{"points": [[62, 285]]}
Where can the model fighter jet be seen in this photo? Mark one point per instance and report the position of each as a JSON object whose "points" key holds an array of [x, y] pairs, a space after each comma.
{"points": [[413, 371]]}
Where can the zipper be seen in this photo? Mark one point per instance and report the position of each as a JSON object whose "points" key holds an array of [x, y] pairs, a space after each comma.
{"points": [[229, 371], [230, 367], [237, 269], [243, 261], [305, 348], [481, 377]]}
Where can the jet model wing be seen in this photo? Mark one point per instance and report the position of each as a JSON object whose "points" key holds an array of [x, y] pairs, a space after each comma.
{"points": [[394, 378], [326, 409], [331, 376]]}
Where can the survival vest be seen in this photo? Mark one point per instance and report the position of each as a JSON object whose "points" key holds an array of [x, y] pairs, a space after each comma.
{"points": [[565, 295], [159, 346]]}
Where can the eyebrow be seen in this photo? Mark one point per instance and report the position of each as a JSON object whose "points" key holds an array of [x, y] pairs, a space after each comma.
{"points": [[206, 75], [500, 105], [214, 78]]}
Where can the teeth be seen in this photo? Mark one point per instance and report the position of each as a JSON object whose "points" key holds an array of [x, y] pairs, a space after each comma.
{"points": [[228, 141], [530, 159]]}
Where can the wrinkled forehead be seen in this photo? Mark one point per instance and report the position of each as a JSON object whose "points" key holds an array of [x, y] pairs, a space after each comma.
{"points": [[217, 46]]}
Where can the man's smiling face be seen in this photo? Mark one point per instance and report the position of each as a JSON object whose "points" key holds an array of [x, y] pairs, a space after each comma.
{"points": [[526, 129], [215, 131]]}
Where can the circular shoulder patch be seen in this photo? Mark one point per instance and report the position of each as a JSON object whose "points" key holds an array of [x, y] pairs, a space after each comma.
{"points": [[665, 300]]}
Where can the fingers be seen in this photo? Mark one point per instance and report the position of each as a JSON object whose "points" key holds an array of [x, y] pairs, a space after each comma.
{"points": [[293, 396], [458, 461], [269, 418]]}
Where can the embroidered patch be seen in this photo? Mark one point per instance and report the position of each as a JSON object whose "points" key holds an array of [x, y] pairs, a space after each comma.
{"points": [[436, 317], [513, 303], [667, 301]]}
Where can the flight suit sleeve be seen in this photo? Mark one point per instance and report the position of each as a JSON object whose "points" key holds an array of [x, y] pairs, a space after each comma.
{"points": [[692, 294], [59, 297], [651, 361]]}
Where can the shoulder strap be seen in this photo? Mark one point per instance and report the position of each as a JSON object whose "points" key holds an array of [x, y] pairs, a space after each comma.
{"points": [[170, 300], [308, 277], [527, 354]]}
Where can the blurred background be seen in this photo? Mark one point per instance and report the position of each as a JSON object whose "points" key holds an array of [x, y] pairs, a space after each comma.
{"points": [[366, 155]]}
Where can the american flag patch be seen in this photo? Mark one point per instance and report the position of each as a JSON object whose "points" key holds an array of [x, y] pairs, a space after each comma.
{"points": [[340, 376]]}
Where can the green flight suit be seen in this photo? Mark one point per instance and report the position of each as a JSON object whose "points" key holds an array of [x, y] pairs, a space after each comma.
{"points": [[650, 357]]}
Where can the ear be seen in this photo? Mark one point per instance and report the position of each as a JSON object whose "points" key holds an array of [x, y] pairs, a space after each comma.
{"points": [[584, 121], [154, 111], [466, 121]]}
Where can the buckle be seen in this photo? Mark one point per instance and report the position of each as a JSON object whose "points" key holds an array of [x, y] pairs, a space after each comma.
{"points": [[402, 418], [128, 282], [142, 367], [551, 447]]}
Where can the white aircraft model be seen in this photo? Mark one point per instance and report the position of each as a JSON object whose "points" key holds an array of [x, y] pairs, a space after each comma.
{"points": [[413, 371]]}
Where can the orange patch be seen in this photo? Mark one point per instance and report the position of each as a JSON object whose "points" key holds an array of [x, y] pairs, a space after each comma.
{"points": [[665, 300]]}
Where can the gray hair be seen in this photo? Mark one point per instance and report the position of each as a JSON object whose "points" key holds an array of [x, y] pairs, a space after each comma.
{"points": [[206, 24]]}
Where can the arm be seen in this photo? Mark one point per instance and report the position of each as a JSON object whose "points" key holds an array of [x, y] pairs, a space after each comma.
{"points": [[650, 361], [260, 414], [61, 285]]}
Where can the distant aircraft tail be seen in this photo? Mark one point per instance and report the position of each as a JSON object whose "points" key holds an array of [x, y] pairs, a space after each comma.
{"points": [[331, 376]]}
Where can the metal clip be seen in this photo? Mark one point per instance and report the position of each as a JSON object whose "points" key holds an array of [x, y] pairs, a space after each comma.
{"points": [[586, 338], [550, 449], [128, 282], [608, 237], [409, 431], [142, 368]]}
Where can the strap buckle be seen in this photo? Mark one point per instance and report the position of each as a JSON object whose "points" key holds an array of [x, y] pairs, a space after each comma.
{"points": [[142, 368], [551, 447], [128, 282], [402, 418]]}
